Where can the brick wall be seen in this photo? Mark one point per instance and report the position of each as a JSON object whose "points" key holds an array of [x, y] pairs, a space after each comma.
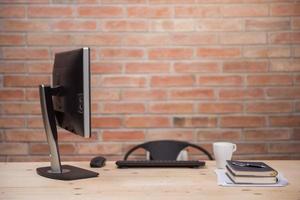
{"points": [[195, 70]]}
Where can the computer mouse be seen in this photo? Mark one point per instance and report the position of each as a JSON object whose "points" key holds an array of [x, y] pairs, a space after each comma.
{"points": [[97, 162]]}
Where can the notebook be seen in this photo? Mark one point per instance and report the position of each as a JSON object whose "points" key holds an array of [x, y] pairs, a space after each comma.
{"points": [[242, 168]]}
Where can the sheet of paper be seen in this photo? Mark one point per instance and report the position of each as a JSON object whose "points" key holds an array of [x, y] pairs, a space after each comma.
{"points": [[223, 180]]}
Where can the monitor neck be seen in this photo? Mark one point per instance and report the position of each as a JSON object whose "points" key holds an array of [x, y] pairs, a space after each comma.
{"points": [[46, 93]]}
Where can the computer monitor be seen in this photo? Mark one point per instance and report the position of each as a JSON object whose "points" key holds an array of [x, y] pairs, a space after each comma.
{"points": [[67, 103]]}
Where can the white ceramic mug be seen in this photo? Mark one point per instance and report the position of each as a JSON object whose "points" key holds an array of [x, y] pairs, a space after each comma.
{"points": [[223, 151]]}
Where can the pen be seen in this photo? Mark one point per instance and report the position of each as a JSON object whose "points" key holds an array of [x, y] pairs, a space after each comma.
{"points": [[248, 165]]}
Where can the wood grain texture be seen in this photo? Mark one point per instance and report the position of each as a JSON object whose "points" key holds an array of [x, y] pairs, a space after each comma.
{"points": [[20, 181]]}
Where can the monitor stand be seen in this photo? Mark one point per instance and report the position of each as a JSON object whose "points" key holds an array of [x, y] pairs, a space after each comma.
{"points": [[56, 170]]}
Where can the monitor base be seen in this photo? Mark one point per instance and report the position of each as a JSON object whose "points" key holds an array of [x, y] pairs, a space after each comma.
{"points": [[69, 173]]}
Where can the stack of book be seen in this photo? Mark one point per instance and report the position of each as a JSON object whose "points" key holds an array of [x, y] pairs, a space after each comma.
{"points": [[250, 172]]}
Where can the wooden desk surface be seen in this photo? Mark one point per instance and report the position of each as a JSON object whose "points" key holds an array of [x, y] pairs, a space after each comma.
{"points": [[20, 181]]}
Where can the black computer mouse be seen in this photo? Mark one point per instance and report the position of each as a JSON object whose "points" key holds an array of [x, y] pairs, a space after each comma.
{"points": [[97, 162]]}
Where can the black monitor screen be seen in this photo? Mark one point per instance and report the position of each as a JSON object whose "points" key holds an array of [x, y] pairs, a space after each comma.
{"points": [[72, 105]]}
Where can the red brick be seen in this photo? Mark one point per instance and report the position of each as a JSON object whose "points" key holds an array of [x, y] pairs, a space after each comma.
{"points": [[258, 10], [193, 38], [185, 135], [186, 94], [97, 39], [32, 94], [285, 9], [284, 148], [25, 81], [74, 25], [196, 67], [9, 67], [25, 135], [284, 38], [147, 67], [283, 93], [11, 94], [121, 53], [241, 94], [14, 122], [106, 122], [39, 67], [104, 94], [296, 23], [297, 80], [9, 39], [197, 11], [220, 108], [171, 1], [22, 108], [205, 122], [95, 107], [267, 24], [121, 108], [246, 148], [25, 1], [12, 11], [296, 51], [263, 80], [285, 121], [104, 148], [40, 148], [220, 25], [13, 148], [49, 39], [116, 135], [174, 25], [171, 108], [219, 80], [24, 53], [149, 12], [266, 134], [267, 52], [285, 65], [172, 81], [147, 121], [296, 134], [123, 1], [217, 135], [100, 11], [217, 52], [125, 25], [50, 11], [245, 66], [170, 53], [106, 68], [146, 39], [242, 121], [142, 94], [269, 107], [24, 25], [35, 122], [243, 38], [123, 81]]}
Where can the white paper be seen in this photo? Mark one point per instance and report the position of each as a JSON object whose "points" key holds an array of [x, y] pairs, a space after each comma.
{"points": [[223, 180]]}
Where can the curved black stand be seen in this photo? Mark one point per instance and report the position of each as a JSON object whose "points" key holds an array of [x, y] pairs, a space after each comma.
{"points": [[56, 171], [166, 149]]}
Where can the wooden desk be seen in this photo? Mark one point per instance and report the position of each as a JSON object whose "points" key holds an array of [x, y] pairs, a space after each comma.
{"points": [[20, 181]]}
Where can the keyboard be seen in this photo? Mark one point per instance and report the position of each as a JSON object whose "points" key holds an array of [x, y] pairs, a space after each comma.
{"points": [[159, 163]]}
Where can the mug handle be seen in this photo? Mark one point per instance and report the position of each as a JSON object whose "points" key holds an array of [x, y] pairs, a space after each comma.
{"points": [[234, 148]]}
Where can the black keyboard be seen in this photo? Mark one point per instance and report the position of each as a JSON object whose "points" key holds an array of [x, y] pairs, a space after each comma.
{"points": [[160, 163]]}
